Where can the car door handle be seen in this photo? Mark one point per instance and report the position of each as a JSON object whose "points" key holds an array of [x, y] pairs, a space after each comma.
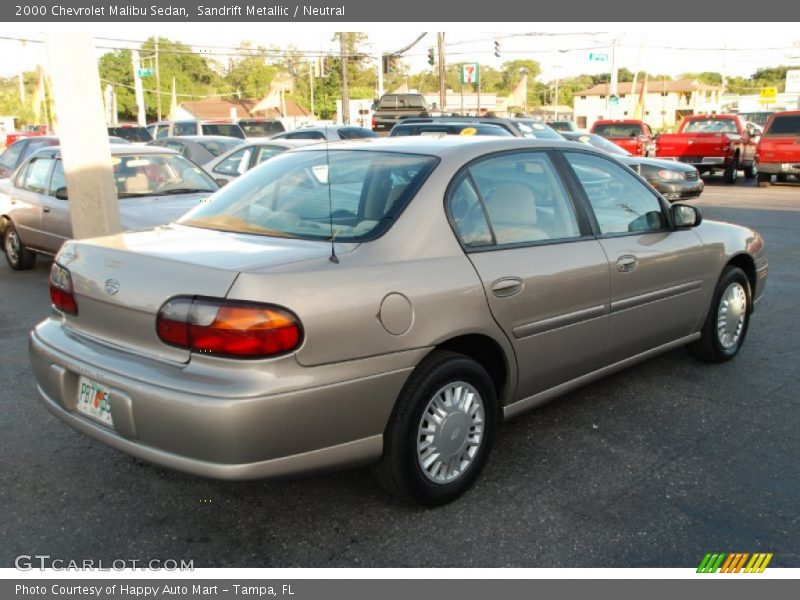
{"points": [[627, 263], [507, 286], [45, 209]]}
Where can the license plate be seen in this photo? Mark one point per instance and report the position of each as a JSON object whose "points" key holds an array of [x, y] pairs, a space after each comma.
{"points": [[94, 401]]}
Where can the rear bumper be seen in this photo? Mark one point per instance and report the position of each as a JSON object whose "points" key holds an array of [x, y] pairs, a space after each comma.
{"points": [[265, 434], [788, 168], [679, 190]]}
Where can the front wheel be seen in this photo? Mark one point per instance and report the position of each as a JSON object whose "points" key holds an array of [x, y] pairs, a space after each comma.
{"points": [[764, 180], [17, 255], [725, 327], [440, 433], [731, 173]]}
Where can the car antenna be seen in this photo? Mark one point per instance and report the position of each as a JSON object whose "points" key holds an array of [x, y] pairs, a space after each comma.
{"points": [[333, 258]]}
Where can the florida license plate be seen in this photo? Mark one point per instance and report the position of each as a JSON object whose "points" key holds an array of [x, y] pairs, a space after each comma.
{"points": [[94, 400]]}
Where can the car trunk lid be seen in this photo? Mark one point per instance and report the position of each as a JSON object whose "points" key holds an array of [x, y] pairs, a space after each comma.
{"points": [[122, 281]]}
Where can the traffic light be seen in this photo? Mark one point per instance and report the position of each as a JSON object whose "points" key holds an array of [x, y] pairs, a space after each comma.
{"points": [[431, 60], [385, 63], [389, 63], [497, 48]]}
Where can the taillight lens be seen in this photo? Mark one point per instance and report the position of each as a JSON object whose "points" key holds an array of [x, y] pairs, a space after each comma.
{"points": [[228, 327], [62, 294], [374, 122]]}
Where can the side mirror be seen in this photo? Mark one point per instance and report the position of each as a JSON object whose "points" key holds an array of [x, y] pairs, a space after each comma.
{"points": [[221, 182], [685, 216], [61, 193]]}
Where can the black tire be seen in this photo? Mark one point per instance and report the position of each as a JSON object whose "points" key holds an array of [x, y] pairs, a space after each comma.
{"points": [[731, 172], [709, 348], [17, 255], [764, 180], [399, 471], [751, 171], [782, 178]]}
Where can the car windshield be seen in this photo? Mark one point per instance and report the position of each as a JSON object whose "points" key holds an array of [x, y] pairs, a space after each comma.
{"points": [[156, 174], [132, 134], [618, 130], [711, 126], [229, 129], [598, 142], [351, 195], [783, 126], [219, 146], [261, 128]]}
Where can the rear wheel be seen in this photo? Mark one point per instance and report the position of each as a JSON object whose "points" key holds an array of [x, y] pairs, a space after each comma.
{"points": [[731, 173], [764, 180], [17, 255], [440, 433], [751, 171], [782, 178], [726, 324]]}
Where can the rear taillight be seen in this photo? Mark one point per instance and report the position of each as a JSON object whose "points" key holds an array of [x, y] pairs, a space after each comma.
{"points": [[62, 294], [228, 327], [374, 122]]}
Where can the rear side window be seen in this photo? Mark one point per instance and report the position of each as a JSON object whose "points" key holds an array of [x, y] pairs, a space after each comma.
{"points": [[163, 131], [37, 175], [217, 147], [620, 202], [184, 129], [266, 152], [355, 133], [228, 129], [468, 216], [261, 128], [785, 125], [59, 181], [132, 134]]}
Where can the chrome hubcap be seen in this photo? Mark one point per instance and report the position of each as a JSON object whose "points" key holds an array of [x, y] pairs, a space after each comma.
{"points": [[731, 315], [450, 432], [12, 246]]}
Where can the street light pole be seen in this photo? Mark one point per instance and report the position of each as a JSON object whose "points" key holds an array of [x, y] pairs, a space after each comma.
{"points": [[345, 92], [442, 74], [158, 83]]}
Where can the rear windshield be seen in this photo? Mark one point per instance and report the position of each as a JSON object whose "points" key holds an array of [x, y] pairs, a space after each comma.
{"points": [[229, 129], [354, 195], [399, 102], [261, 128], [711, 126], [533, 129], [132, 134], [158, 174], [217, 147], [597, 141], [786, 125], [356, 133], [618, 130]]}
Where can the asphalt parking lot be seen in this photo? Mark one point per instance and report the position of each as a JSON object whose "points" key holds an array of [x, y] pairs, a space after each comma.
{"points": [[652, 467]]}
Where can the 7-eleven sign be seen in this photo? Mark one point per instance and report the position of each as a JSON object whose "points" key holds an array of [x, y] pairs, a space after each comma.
{"points": [[470, 73]]}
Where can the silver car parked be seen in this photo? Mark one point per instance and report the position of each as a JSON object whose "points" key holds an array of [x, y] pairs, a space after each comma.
{"points": [[384, 302], [154, 186], [237, 161]]}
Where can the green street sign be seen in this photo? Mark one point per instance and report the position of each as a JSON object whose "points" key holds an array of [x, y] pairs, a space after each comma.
{"points": [[470, 73], [145, 72], [613, 100], [599, 57]]}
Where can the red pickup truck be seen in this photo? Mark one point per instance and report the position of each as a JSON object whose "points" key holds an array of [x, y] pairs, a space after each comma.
{"points": [[27, 131], [778, 151], [712, 143], [634, 136]]}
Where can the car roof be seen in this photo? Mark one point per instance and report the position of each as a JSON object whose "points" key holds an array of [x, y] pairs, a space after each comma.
{"points": [[197, 138], [290, 143], [465, 147], [116, 150]]}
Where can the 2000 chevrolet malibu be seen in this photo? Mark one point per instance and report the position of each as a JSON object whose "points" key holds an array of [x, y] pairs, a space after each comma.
{"points": [[384, 302]]}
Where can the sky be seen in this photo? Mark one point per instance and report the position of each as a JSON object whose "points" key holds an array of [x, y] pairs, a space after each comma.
{"points": [[562, 49]]}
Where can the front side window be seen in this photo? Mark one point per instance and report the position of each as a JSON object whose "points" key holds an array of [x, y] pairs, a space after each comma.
{"points": [[620, 202], [525, 199], [352, 195], [162, 132], [235, 164]]}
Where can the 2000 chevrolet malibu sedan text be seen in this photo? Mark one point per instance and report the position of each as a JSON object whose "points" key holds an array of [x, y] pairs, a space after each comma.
{"points": [[386, 302]]}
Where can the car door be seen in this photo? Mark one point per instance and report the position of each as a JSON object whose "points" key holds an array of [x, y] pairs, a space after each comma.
{"points": [[546, 278], [56, 220], [27, 201], [657, 272]]}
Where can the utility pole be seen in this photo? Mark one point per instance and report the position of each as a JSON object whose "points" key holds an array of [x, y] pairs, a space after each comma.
{"points": [[380, 74], [442, 74], [345, 92], [614, 78], [158, 84], [311, 84], [19, 74], [138, 91], [83, 136]]}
